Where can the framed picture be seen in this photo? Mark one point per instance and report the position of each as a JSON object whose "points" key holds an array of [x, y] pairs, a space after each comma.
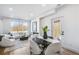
{"points": [[34, 26]]}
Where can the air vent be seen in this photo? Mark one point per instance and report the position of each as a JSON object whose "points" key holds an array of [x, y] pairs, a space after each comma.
{"points": [[59, 5]]}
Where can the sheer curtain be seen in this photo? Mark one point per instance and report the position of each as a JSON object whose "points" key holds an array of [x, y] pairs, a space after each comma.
{"points": [[20, 26]]}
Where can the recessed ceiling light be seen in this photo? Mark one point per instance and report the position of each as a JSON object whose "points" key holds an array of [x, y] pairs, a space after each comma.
{"points": [[10, 9], [43, 5]]}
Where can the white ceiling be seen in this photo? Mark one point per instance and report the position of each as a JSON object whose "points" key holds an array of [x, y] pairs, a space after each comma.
{"points": [[24, 10]]}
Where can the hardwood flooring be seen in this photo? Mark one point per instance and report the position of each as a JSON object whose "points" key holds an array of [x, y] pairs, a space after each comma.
{"points": [[65, 52], [69, 52]]}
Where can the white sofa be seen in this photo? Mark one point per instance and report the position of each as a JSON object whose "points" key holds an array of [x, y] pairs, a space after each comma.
{"points": [[20, 33], [6, 42]]}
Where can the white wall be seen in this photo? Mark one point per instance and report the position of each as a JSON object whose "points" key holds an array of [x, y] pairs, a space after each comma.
{"points": [[46, 22], [1, 26], [4, 25], [70, 25]]}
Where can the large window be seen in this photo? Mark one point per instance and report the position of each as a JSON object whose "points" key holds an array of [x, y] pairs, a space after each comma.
{"points": [[20, 25]]}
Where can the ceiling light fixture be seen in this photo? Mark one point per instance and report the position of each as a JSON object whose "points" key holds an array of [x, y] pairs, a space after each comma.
{"points": [[10, 9], [43, 5]]}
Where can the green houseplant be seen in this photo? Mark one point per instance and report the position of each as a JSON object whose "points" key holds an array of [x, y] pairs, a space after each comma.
{"points": [[45, 30]]}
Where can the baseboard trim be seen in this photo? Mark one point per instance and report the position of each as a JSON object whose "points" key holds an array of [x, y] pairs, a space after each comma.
{"points": [[72, 50]]}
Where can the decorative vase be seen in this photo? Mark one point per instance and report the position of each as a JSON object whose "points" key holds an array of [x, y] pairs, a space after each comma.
{"points": [[45, 35]]}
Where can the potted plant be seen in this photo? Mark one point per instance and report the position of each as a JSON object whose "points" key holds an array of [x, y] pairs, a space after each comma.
{"points": [[45, 30]]}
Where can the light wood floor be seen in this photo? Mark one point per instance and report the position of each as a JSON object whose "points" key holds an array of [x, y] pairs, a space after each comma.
{"points": [[65, 52], [69, 52]]}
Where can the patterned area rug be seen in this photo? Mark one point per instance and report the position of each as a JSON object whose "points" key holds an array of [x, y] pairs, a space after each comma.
{"points": [[20, 48]]}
